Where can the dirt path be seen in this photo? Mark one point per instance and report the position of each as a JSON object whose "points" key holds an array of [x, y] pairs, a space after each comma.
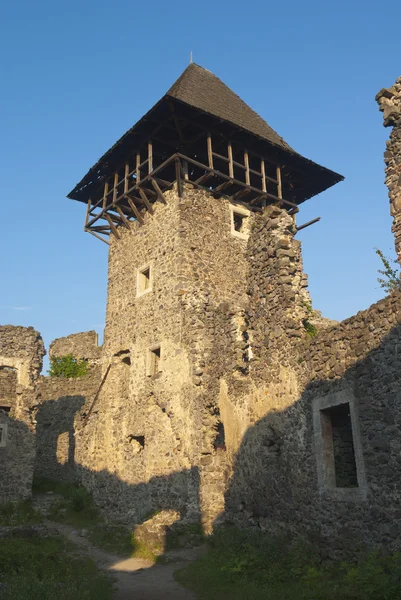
{"points": [[136, 578]]}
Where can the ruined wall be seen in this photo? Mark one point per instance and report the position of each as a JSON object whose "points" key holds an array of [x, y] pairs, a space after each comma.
{"points": [[81, 345], [389, 101], [62, 402], [21, 354]]}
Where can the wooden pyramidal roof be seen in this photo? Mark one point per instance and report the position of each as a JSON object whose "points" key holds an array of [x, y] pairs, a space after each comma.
{"points": [[200, 99]]}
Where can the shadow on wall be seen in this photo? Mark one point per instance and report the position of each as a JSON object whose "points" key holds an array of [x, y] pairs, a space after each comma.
{"points": [[55, 439], [329, 466]]}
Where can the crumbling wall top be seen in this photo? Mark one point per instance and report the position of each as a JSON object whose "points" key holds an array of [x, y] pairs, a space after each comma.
{"points": [[389, 100], [81, 345], [22, 349]]}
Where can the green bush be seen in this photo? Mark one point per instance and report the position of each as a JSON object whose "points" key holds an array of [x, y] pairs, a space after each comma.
{"points": [[67, 366]]}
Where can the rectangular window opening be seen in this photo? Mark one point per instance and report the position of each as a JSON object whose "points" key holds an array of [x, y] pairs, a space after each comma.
{"points": [[239, 222], [155, 364], [144, 281], [339, 454]]}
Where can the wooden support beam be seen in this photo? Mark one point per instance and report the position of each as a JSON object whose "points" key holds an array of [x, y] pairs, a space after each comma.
{"points": [[135, 210], [185, 169], [98, 236], [97, 394], [178, 176], [112, 226], [126, 175], [145, 200], [247, 174], [159, 192], [279, 188], [123, 217], [88, 209], [105, 192], [230, 161], [203, 178], [308, 224], [263, 171], [115, 187], [138, 167], [150, 156], [209, 151]]}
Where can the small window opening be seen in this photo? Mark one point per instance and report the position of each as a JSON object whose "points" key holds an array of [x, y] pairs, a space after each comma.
{"points": [[239, 222], [220, 439], [155, 364], [339, 443], [144, 280], [137, 443]]}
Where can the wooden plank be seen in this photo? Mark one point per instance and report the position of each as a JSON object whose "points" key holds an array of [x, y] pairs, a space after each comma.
{"points": [[112, 226], [145, 200], [230, 161], [263, 171], [246, 162], [279, 189], [138, 167], [209, 150], [135, 210], [159, 192], [150, 156], [97, 236], [185, 169], [126, 175]]}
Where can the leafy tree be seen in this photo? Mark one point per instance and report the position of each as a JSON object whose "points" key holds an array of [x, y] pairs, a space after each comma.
{"points": [[390, 280], [67, 366]]}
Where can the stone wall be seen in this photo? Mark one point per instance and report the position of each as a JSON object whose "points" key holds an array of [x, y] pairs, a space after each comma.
{"points": [[81, 345], [389, 101], [21, 354], [63, 402]]}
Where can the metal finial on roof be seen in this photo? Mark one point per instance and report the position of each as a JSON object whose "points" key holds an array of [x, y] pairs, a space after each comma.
{"points": [[190, 57]]}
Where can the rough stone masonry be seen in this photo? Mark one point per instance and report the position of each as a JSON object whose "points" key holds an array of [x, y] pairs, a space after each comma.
{"points": [[220, 394]]}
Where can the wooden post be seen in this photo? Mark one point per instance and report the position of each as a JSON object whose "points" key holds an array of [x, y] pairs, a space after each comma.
{"points": [[138, 170], [88, 209], [230, 161], [105, 192], [126, 178], [115, 187], [178, 176], [150, 156], [185, 169], [279, 189], [112, 226], [209, 150], [247, 174], [134, 209], [263, 171]]}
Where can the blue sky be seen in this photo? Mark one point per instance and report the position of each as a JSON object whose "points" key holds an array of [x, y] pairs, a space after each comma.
{"points": [[76, 75]]}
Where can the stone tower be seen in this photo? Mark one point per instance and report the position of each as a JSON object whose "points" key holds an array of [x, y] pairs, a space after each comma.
{"points": [[187, 199]]}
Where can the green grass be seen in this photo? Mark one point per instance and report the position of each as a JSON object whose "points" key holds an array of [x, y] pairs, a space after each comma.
{"points": [[45, 569], [242, 565], [17, 514]]}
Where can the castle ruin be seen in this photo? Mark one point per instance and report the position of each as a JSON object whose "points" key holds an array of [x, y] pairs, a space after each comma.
{"points": [[212, 398]]}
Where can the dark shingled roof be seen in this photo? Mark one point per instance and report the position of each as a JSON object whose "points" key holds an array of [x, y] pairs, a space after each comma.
{"points": [[203, 90], [200, 90]]}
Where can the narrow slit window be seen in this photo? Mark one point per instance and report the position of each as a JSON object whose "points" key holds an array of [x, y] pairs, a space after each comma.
{"points": [[144, 280], [339, 449], [239, 222], [155, 361]]}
